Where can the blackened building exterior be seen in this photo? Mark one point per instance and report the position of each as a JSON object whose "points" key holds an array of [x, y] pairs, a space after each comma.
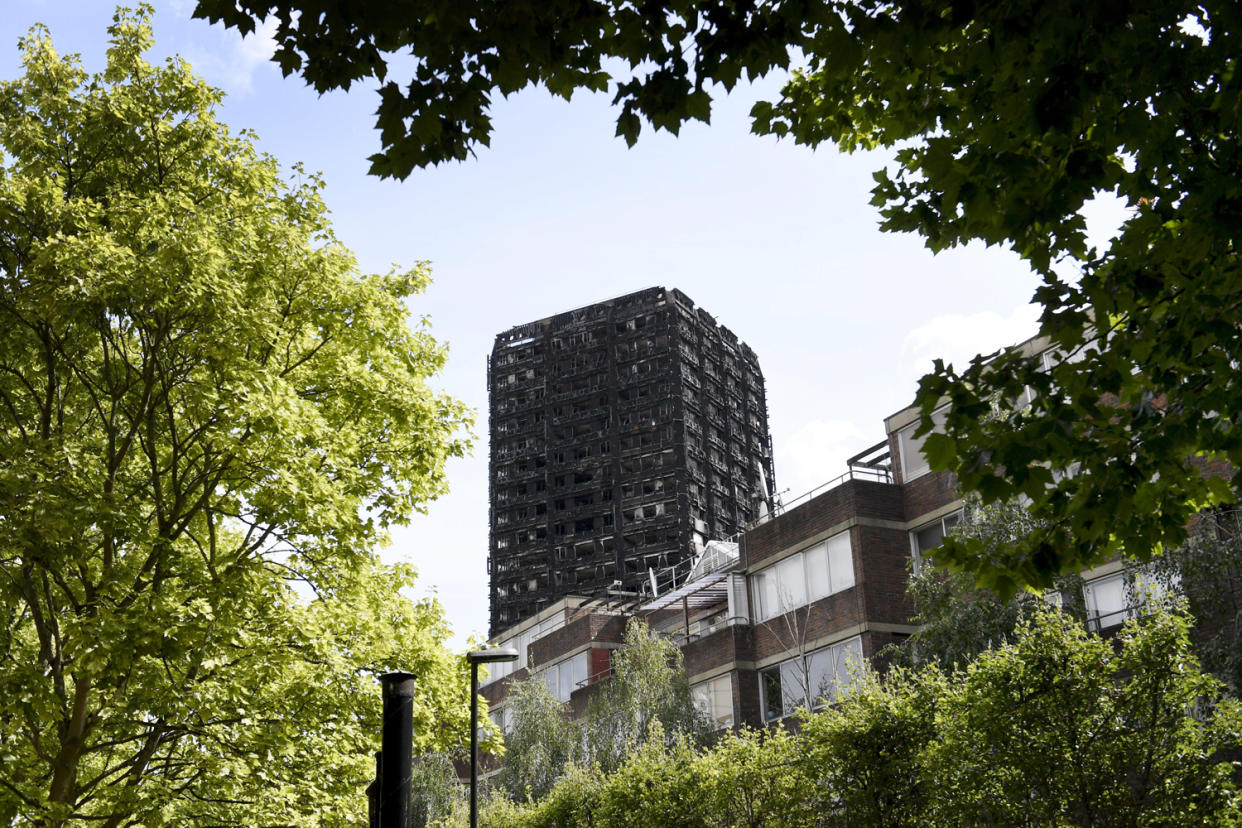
{"points": [[624, 435]]}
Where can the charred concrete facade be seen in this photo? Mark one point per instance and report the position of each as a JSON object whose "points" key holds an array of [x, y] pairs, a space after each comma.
{"points": [[623, 436]]}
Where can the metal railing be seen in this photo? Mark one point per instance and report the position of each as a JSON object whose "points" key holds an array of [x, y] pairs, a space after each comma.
{"points": [[875, 475]]}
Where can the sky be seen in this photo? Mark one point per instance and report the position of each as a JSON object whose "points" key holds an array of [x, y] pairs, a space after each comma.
{"points": [[777, 241]]}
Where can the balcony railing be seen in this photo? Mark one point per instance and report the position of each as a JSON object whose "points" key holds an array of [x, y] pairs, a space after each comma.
{"points": [[875, 475]]}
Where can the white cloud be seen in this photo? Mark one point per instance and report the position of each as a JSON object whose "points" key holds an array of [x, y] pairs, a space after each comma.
{"points": [[816, 453], [957, 338], [233, 64], [258, 46]]}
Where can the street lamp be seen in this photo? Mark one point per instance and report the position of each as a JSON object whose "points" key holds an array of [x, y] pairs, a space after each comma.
{"points": [[477, 657]]}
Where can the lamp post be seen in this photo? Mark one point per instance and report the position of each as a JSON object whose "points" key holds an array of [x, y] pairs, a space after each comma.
{"points": [[477, 657]]}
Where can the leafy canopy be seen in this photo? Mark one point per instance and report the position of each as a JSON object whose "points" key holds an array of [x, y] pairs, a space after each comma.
{"points": [[1055, 727], [464, 55], [1207, 570], [957, 619], [646, 698], [1006, 118], [1010, 118], [202, 402]]}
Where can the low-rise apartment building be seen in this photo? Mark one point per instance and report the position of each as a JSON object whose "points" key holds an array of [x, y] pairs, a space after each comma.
{"points": [[772, 619]]}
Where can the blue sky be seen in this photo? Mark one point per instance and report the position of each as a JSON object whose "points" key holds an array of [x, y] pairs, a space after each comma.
{"points": [[775, 240]]}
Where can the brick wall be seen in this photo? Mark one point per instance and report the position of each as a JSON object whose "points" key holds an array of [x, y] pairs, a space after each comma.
{"points": [[746, 705], [881, 564], [725, 646], [496, 691], [581, 631], [853, 498], [928, 493], [825, 617]]}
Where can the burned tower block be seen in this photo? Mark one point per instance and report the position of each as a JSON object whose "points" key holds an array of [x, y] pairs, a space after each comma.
{"points": [[624, 436]]}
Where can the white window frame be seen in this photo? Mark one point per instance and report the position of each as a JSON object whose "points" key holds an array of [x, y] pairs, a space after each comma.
{"points": [[947, 524], [714, 699], [787, 584], [842, 655], [1137, 589], [907, 444], [1113, 615]]}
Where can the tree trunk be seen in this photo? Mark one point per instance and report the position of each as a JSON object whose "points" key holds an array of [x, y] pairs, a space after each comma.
{"points": [[65, 765]]}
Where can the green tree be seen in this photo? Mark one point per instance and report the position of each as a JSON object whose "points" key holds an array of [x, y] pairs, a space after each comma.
{"points": [[1010, 117], [863, 759], [756, 779], [1006, 119], [437, 795], [1065, 728], [646, 697], [202, 405], [1207, 570], [648, 688], [652, 785], [541, 743], [1058, 727], [957, 618], [463, 57]]}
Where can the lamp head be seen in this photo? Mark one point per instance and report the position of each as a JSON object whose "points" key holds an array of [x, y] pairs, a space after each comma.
{"points": [[493, 654]]}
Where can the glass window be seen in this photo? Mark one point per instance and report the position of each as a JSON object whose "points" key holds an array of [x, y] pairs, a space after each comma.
{"points": [[1107, 602], [793, 685], [818, 581], [764, 585], [829, 669], [929, 537], [849, 656], [841, 561], [809, 681], [821, 669], [1118, 598], [802, 577], [580, 670], [715, 699], [791, 583], [913, 463], [770, 688], [564, 677]]}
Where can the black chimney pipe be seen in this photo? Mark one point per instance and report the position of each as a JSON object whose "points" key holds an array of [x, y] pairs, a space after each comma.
{"points": [[396, 750]]}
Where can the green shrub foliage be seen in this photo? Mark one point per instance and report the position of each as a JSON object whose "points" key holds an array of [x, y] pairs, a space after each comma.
{"points": [[1056, 727]]}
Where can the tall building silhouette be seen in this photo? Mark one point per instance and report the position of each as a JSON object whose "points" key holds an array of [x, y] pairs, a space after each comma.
{"points": [[624, 435]]}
